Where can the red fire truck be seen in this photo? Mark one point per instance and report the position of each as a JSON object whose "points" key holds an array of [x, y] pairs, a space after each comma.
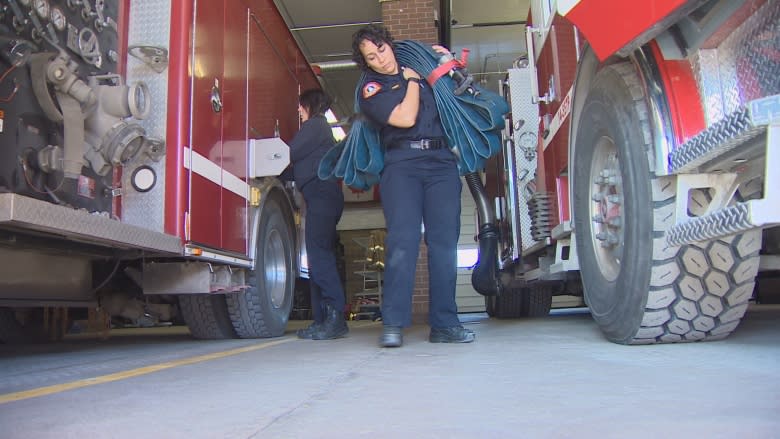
{"points": [[643, 171], [141, 141]]}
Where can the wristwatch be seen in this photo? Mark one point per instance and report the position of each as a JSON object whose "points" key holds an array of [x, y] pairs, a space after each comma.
{"points": [[413, 79]]}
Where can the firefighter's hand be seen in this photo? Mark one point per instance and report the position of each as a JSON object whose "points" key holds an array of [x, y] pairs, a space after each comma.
{"points": [[409, 73], [441, 49]]}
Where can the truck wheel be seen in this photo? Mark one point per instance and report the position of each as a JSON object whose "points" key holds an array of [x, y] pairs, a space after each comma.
{"points": [[490, 306], [11, 331], [264, 308], [26, 325], [639, 289], [520, 302], [206, 316], [536, 302], [509, 304]]}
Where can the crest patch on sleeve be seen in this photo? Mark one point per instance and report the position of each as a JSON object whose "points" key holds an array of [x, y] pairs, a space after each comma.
{"points": [[371, 89]]}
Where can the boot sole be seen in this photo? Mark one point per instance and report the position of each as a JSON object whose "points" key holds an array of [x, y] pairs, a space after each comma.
{"points": [[451, 340], [339, 334], [391, 342]]}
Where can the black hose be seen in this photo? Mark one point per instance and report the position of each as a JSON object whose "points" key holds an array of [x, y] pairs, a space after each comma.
{"points": [[485, 277], [484, 209]]}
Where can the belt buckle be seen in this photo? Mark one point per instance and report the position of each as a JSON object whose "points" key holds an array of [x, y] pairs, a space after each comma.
{"points": [[425, 144]]}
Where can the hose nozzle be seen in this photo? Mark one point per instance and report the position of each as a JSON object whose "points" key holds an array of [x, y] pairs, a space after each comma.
{"points": [[458, 72]]}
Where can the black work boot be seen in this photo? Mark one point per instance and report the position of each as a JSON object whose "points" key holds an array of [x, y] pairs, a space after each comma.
{"points": [[307, 332], [334, 325], [391, 337], [452, 334]]}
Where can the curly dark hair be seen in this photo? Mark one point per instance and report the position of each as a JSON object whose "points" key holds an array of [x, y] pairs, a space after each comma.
{"points": [[315, 101], [375, 33]]}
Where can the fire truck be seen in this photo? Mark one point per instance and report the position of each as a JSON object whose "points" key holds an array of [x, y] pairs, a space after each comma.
{"points": [[641, 164], [141, 144]]}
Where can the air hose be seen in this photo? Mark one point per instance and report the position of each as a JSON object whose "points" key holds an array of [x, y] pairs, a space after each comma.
{"points": [[472, 120]]}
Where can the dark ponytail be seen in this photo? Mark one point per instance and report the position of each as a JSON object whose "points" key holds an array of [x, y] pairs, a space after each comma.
{"points": [[315, 101]]}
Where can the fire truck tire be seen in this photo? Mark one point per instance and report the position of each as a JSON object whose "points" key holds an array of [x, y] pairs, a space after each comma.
{"points": [[11, 331], [639, 289], [520, 302], [26, 325], [509, 304], [537, 301], [206, 316], [264, 308], [490, 306]]}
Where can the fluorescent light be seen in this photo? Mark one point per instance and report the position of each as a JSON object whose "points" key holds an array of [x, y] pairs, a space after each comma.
{"points": [[338, 133], [468, 257]]}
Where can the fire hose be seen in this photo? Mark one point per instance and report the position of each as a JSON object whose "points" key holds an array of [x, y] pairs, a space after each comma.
{"points": [[472, 119]]}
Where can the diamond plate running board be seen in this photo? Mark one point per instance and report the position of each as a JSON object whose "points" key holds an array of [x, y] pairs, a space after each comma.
{"points": [[732, 219], [728, 134], [22, 212], [739, 217]]}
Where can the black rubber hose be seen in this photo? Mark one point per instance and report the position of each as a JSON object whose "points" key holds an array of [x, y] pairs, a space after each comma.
{"points": [[485, 277]]}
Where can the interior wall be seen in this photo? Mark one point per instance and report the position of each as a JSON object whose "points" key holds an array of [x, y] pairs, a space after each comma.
{"points": [[492, 31]]}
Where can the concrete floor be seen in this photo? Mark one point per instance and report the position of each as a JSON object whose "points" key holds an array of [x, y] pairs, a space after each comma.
{"points": [[548, 378]]}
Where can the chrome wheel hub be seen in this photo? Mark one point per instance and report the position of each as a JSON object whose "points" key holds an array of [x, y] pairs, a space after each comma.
{"points": [[607, 213]]}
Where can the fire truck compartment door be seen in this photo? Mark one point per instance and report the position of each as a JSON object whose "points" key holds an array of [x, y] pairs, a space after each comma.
{"points": [[268, 157], [610, 25]]}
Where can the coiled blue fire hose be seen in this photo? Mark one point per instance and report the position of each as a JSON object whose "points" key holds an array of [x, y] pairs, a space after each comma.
{"points": [[472, 123]]}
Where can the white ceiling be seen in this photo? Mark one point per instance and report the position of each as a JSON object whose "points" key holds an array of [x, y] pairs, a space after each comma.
{"points": [[324, 28]]}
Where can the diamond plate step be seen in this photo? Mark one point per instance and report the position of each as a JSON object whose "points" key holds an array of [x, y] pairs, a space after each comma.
{"points": [[731, 132], [32, 214], [724, 222]]}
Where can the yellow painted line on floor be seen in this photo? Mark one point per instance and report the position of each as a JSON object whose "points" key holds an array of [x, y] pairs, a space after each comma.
{"points": [[57, 388]]}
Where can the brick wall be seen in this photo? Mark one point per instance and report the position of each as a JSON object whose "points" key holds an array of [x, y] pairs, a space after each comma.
{"points": [[410, 20], [420, 294], [414, 20]]}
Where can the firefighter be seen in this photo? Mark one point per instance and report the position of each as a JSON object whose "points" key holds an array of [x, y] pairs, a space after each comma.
{"points": [[420, 184], [324, 206]]}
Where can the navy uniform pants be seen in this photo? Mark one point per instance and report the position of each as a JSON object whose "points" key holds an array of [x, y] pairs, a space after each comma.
{"points": [[324, 205], [422, 190]]}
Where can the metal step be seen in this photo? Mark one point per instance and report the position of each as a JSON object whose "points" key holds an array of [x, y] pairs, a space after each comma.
{"points": [[724, 222], [740, 217], [731, 132], [18, 211]]}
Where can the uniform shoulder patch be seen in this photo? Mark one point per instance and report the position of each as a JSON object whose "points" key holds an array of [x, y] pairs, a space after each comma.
{"points": [[370, 89]]}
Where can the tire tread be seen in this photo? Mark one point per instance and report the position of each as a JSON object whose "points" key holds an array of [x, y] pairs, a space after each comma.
{"points": [[206, 316], [670, 274]]}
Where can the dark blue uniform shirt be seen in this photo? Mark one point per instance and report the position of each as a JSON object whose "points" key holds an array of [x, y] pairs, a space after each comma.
{"points": [[308, 147], [380, 94]]}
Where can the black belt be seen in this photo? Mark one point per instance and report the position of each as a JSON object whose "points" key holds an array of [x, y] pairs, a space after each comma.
{"points": [[420, 144]]}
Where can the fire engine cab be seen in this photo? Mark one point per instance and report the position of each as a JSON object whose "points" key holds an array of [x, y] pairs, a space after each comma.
{"points": [[642, 164], [140, 144]]}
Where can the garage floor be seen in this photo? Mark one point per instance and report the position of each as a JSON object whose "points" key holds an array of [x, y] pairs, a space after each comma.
{"points": [[553, 377]]}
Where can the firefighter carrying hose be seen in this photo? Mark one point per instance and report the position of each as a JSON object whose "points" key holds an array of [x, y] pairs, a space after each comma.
{"points": [[420, 183]]}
